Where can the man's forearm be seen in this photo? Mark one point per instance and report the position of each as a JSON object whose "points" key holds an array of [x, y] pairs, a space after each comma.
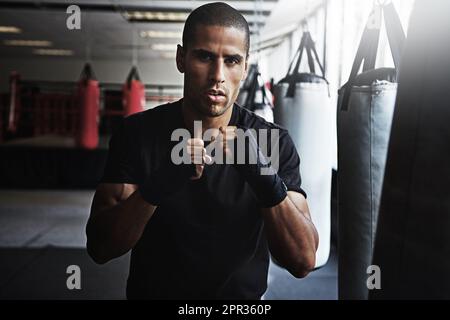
{"points": [[114, 231], [292, 237]]}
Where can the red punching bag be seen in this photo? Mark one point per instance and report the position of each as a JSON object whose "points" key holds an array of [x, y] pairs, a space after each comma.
{"points": [[89, 98], [14, 103], [133, 93]]}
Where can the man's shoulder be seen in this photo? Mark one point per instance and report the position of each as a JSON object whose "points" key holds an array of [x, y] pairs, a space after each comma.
{"points": [[250, 119], [154, 119]]}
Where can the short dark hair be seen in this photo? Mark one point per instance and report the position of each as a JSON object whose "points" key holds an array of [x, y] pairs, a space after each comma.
{"points": [[215, 14]]}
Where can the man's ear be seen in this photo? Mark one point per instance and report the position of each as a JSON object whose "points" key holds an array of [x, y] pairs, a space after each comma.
{"points": [[180, 58]]}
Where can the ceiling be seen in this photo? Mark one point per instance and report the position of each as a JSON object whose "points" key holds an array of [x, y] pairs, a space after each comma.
{"points": [[106, 33]]}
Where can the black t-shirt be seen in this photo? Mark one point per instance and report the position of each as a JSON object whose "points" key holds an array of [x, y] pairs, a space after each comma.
{"points": [[207, 241]]}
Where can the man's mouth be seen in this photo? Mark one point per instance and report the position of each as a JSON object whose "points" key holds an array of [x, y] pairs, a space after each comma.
{"points": [[216, 96]]}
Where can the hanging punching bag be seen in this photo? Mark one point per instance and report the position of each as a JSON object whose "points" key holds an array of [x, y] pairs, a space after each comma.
{"points": [[263, 101], [303, 106], [133, 93], [255, 96], [248, 85], [366, 105], [89, 100], [412, 247], [14, 102]]}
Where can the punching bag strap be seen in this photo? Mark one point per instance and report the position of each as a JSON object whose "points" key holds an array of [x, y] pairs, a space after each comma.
{"points": [[254, 85], [87, 73], [368, 47], [365, 46], [266, 100], [298, 53], [133, 75], [312, 47], [395, 33], [291, 89], [306, 44]]}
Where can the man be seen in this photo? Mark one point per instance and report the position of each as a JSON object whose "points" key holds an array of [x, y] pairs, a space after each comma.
{"points": [[201, 230]]}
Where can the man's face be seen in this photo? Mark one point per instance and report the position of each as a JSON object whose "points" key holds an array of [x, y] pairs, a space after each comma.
{"points": [[213, 66]]}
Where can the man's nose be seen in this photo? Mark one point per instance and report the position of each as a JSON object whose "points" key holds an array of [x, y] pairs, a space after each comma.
{"points": [[217, 72]]}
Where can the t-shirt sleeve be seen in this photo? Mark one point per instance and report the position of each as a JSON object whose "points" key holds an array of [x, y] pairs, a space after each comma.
{"points": [[123, 155], [289, 164]]}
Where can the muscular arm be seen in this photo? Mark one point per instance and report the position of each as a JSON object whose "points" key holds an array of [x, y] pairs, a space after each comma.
{"points": [[292, 237], [117, 220]]}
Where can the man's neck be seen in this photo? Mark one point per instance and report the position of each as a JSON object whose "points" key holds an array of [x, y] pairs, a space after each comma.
{"points": [[190, 115]]}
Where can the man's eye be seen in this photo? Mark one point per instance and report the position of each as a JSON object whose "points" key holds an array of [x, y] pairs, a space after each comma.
{"points": [[232, 61], [205, 57]]}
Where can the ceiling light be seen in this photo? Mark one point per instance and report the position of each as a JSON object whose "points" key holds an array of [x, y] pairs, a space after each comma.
{"points": [[138, 15], [28, 43], [53, 52], [168, 55], [164, 47], [143, 16], [9, 29], [160, 34]]}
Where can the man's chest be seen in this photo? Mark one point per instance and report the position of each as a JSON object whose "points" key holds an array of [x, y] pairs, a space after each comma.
{"points": [[219, 200]]}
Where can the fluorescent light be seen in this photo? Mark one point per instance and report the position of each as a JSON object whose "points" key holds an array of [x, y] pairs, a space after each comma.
{"points": [[156, 15], [53, 52], [138, 15], [164, 46], [176, 16], [168, 55], [28, 43], [9, 29], [160, 34]]}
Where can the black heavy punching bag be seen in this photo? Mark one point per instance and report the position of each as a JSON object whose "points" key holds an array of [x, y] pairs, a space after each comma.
{"points": [[412, 247], [365, 111], [255, 96]]}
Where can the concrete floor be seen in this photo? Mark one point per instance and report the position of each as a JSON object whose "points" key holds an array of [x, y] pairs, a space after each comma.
{"points": [[42, 233]]}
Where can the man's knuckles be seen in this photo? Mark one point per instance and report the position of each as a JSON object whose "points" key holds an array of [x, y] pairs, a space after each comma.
{"points": [[195, 142]]}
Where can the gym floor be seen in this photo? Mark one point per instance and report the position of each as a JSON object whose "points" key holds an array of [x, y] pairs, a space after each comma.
{"points": [[42, 233]]}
